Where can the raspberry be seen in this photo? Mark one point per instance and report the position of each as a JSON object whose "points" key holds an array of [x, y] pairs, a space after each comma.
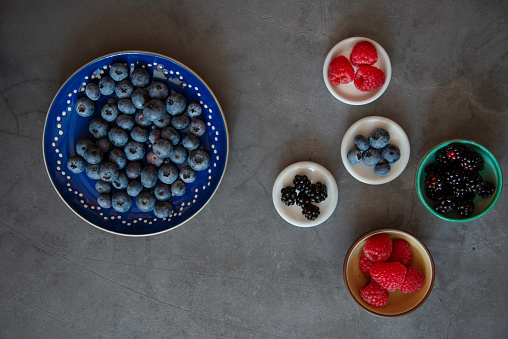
{"points": [[369, 78], [390, 275], [378, 248], [413, 281], [363, 53], [401, 252], [365, 264], [373, 294], [340, 71]]}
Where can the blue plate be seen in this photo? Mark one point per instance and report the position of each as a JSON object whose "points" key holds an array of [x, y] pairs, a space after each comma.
{"points": [[64, 127]]}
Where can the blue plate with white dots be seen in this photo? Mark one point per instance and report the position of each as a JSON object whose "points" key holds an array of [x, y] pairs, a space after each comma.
{"points": [[64, 127]]}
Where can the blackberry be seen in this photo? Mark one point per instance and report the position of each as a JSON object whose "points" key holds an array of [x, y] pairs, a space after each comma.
{"points": [[445, 204], [472, 161], [460, 190], [317, 192], [433, 169], [486, 189], [441, 157], [453, 176], [288, 195], [302, 199], [301, 182], [310, 211], [465, 207], [434, 182], [433, 194], [455, 151]]}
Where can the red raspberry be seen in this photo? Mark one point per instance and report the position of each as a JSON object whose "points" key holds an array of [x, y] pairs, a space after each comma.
{"points": [[390, 275], [378, 248], [401, 252], [369, 78], [363, 53], [340, 71], [365, 264], [413, 281], [374, 294]]}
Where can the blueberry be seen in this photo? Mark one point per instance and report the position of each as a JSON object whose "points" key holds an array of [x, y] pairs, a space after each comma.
{"points": [[124, 89], [178, 188], [153, 159], [109, 111], [154, 110], [354, 156], [92, 171], [139, 134], [125, 121], [382, 169], [191, 142], [92, 91], [104, 200], [76, 164], [187, 174], [197, 127], [82, 145], [178, 155], [85, 107], [164, 121], [106, 85], [379, 138], [117, 156], [199, 160], [121, 182], [133, 169], [162, 148], [362, 143], [194, 109], [119, 71], [93, 155], [168, 174], [175, 103], [145, 201], [134, 187], [118, 136], [121, 201], [148, 176], [134, 150], [108, 171], [158, 90], [180, 121], [162, 191], [163, 209], [140, 77], [99, 128], [103, 186], [154, 135], [140, 97], [390, 153], [140, 119], [170, 134], [104, 144], [371, 156], [126, 106]]}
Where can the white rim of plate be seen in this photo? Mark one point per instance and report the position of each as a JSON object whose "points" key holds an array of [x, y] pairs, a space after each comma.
{"points": [[364, 127], [315, 172], [348, 93]]}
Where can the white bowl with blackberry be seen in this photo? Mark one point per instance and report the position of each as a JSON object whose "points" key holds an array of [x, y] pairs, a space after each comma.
{"points": [[375, 150]]}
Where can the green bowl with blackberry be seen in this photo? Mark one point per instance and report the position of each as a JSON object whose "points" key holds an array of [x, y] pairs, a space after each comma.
{"points": [[464, 180]]}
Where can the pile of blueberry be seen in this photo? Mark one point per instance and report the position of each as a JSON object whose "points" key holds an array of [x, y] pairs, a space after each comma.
{"points": [[374, 151], [144, 144]]}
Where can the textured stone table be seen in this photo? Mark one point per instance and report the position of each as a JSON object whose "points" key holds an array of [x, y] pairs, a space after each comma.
{"points": [[237, 269]]}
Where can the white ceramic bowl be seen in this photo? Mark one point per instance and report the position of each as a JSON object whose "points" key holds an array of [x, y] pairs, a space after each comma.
{"points": [[364, 127], [348, 93], [315, 172]]}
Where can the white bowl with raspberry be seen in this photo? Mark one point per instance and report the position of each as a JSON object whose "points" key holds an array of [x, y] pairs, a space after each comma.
{"points": [[367, 84]]}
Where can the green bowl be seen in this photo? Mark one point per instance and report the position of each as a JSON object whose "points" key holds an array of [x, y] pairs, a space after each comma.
{"points": [[492, 172]]}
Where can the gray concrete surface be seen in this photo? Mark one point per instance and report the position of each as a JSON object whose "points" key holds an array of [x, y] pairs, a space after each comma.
{"points": [[238, 270]]}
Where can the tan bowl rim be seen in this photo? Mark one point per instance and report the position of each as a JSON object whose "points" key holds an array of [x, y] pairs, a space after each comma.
{"points": [[378, 231]]}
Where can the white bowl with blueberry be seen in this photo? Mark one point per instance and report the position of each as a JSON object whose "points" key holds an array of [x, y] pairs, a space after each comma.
{"points": [[375, 150]]}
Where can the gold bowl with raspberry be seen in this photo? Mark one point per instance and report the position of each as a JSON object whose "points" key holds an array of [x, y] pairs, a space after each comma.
{"points": [[399, 303]]}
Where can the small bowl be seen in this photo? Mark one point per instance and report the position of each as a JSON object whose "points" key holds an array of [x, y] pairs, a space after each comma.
{"points": [[315, 172], [492, 172], [399, 303], [364, 127], [348, 93]]}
